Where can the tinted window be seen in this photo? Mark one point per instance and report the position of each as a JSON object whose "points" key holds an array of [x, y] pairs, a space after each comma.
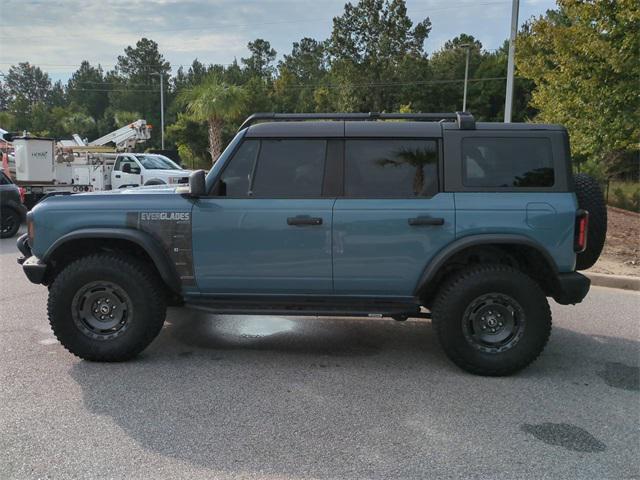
{"points": [[289, 168], [391, 168], [4, 180], [236, 177], [507, 162]]}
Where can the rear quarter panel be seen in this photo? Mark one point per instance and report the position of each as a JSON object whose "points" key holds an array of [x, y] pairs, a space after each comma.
{"points": [[547, 218]]}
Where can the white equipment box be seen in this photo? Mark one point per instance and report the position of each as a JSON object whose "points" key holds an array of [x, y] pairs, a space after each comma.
{"points": [[34, 159]]}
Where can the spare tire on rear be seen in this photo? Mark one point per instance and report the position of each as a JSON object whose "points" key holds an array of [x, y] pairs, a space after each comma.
{"points": [[590, 198]]}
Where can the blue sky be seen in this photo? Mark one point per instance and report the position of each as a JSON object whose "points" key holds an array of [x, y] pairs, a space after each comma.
{"points": [[57, 35]]}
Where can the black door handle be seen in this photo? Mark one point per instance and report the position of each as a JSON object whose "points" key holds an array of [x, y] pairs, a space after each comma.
{"points": [[425, 220], [304, 220], [117, 176]]}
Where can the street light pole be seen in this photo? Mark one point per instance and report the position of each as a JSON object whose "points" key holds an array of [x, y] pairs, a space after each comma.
{"points": [[466, 78], [508, 101]]}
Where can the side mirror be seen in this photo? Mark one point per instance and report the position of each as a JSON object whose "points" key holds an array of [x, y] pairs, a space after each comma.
{"points": [[197, 184]]}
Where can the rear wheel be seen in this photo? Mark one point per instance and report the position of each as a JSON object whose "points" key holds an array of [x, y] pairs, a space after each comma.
{"points": [[492, 320], [9, 222], [106, 307]]}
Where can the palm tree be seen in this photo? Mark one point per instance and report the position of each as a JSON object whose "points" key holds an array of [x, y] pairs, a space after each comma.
{"points": [[417, 159], [214, 102]]}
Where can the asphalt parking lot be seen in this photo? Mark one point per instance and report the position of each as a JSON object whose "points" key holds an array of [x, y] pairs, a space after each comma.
{"points": [[284, 397]]}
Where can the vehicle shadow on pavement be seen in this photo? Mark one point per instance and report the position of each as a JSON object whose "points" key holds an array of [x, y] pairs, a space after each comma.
{"points": [[327, 398]]}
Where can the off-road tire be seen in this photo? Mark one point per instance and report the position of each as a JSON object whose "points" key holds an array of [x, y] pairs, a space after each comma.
{"points": [[590, 198], [136, 280], [459, 293], [9, 222]]}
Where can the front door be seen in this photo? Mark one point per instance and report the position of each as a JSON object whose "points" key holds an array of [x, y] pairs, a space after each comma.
{"points": [[126, 172], [267, 229], [391, 220]]}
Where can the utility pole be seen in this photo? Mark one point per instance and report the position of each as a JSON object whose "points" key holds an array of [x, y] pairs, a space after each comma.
{"points": [[508, 101], [161, 75], [466, 77]]}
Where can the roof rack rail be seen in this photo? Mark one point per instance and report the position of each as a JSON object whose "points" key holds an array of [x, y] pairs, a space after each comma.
{"points": [[464, 120]]}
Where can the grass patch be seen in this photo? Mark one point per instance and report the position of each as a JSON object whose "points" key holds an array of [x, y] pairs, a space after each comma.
{"points": [[623, 195]]}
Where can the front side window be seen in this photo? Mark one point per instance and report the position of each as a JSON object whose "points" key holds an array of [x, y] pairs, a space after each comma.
{"points": [[235, 180], [401, 168], [507, 162], [289, 168]]}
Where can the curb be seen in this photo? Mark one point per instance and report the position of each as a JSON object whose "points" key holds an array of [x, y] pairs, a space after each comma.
{"points": [[624, 282]]}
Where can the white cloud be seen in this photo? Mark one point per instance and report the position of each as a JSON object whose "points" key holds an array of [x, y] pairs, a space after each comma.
{"points": [[59, 34]]}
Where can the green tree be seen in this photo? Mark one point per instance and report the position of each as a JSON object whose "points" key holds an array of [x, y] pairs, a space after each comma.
{"points": [[88, 89], [368, 43], [135, 82], [27, 88], [215, 103], [80, 123], [260, 62], [583, 59], [299, 74]]}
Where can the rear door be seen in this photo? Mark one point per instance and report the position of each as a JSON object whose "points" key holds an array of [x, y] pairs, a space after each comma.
{"points": [[267, 230], [392, 218]]}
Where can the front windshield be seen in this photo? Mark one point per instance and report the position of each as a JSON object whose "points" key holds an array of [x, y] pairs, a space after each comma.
{"points": [[157, 162]]}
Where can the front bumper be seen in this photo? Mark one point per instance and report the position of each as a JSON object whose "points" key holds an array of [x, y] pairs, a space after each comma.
{"points": [[34, 268], [572, 288]]}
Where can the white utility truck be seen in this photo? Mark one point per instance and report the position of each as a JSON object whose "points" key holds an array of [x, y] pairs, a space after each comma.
{"points": [[44, 166]]}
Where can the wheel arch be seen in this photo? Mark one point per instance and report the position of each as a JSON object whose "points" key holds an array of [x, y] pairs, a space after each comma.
{"points": [[156, 181], [16, 207], [79, 242], [511, 249]]}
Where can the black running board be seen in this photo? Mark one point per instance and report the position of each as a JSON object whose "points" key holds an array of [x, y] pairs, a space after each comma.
{"points": [[313, 307]]}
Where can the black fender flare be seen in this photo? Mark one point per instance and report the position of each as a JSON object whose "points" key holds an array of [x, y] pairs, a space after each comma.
{"points": [[159, 257], [431, 270]]}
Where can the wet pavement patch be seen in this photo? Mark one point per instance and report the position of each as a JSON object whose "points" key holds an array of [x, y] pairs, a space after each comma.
{"points": [[565, 435], [619, 375]]}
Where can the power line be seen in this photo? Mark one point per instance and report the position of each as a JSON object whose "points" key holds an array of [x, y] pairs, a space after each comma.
{"points": [[328, 85]]}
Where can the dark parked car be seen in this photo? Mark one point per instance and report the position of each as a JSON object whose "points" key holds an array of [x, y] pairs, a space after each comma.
{"points": [[13, 212]]}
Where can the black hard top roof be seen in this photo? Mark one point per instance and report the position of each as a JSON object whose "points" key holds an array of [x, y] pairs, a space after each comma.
{"points": [[339, 129], [373, 124], [348, 128]]}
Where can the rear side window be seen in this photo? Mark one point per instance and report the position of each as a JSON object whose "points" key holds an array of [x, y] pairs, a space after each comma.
{"points": [[289, 168], [391, 168], [507, 162]]}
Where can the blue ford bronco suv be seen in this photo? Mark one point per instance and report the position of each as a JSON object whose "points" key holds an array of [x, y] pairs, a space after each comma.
{"points": [[382, 215]]}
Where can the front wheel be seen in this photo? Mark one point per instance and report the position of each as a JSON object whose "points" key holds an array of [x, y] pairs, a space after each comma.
{"points": [[9, 222], [106, 307], [492, 320]]}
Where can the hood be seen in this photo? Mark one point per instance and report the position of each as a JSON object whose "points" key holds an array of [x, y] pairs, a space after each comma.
{"points": [[167, 173], [150, 189]]}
